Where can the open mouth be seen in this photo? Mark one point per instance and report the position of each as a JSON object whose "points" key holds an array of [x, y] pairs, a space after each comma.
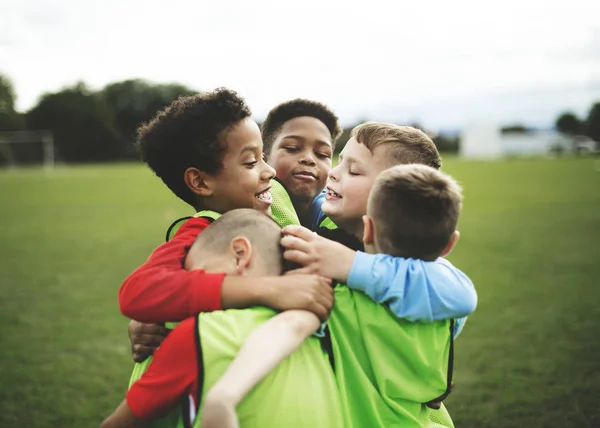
{"points": [[265, 196], [332, 195]]}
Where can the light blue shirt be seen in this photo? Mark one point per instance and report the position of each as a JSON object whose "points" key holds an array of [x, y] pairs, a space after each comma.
{"points": [[415, 290], [315, 213]]}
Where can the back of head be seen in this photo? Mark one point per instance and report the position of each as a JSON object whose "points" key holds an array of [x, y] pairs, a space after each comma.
{"points": [[403, 144], [415, 210], [298, 108], [186, 135], [261, 230]]}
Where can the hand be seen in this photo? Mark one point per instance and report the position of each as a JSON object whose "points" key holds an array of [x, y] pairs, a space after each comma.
{"points": [[218, 412], [145, 338], [317, 254], [301, 291]]}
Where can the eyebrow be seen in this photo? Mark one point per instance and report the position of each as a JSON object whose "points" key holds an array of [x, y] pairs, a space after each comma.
{"points": [[350, 159], [253, 149], [299, 137]]}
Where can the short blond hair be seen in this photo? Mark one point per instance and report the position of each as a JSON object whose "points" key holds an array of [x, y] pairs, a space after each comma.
{"points": [[261, 230], [415, 209], [404, 144]]}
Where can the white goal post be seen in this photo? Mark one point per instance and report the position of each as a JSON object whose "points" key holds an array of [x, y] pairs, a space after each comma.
{"points": [[8, 139]]}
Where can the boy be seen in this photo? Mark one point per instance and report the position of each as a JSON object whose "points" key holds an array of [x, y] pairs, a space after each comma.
{"points": [[245, 243], [208, 151], [299, 139], [411, 222], [162, 290], [363, 344]]}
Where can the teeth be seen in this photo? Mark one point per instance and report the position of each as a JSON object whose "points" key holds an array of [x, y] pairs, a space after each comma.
{"points": [[265, 196], [332, 193]]}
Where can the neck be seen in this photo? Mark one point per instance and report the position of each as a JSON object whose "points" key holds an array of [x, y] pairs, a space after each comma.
{"points": [[353, 227], [301, 206]]}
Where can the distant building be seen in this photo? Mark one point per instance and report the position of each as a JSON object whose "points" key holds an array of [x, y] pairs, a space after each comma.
{"points": [[487, 141]]}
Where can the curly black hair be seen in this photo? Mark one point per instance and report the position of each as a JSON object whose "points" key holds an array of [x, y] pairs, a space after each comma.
{"points": [[298, 108], [186, 134]]}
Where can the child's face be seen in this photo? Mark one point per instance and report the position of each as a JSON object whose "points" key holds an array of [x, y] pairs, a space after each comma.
{"points": [[301, 155], [245, 179], [349, 184]]}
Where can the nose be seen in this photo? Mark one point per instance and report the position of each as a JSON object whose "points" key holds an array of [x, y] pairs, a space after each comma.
{"points": [[333, 173], [267, 172], [307, 157]]}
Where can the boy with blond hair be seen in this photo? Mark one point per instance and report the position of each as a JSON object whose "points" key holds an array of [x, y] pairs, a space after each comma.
{"points": [[242, 243], [388, 365]]}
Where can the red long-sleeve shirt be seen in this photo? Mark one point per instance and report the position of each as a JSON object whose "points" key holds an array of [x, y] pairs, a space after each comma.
{"points": [[172, 374], [162, 290]]}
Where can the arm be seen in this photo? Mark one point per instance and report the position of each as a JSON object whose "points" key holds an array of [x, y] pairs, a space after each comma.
{"points": [[172, 373], [263, 350], [414, 289], [161, 290]]}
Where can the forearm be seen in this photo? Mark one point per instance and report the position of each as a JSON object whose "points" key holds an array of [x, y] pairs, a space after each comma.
{"points": [[263, 350], [414, 289], [154, 295], [162, 290], [239, 292]]}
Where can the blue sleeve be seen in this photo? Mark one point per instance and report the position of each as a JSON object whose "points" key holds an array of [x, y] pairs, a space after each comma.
{"points": [[315, 213], [414, 289], [459, 323], [320, 333]]}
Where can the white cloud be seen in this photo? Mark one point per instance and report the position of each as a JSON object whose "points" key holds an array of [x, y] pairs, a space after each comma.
{"points": [[356, 56]]}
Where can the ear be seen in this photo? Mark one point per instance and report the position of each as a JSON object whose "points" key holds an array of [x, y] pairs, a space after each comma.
{"points": [[241, 249], [451, 244], [368, 230], [198, 181]]}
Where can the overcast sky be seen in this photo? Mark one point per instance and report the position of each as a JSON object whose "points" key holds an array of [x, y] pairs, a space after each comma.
{"points": [[440, 62]]}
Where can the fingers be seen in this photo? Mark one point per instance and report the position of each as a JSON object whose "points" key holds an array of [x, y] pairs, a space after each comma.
{"points": [[294, 243], [141, 353], [299, 232], [154, 329], [149, 340], [300, 271], [299, 257]]}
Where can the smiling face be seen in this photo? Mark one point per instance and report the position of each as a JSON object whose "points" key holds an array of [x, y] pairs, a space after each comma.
{"points": [[245, 178], [301, 155], [349, 185]]}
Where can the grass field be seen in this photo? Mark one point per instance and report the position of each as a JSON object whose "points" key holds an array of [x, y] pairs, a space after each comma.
{"points": [[528, 357]]}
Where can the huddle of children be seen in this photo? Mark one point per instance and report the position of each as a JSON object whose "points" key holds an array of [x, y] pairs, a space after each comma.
{"points": [[351, 326]]}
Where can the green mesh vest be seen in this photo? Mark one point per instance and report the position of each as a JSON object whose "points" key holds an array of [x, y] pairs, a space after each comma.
{"points": [[300, 392], [387, 367], [282, 211]]}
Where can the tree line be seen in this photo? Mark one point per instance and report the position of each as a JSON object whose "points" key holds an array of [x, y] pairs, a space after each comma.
{"points": [[99, 126]]}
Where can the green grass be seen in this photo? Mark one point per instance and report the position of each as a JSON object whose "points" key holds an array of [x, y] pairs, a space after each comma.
{"points": [[528, 357]]}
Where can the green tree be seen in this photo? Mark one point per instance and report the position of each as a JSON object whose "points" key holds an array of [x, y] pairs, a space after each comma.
{"points": [[568, 123], [593, 122], [10, 119], [81, 122], [133, 102]]}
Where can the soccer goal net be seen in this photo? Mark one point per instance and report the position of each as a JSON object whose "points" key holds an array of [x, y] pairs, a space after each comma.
{"points": [[20, 148]]}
